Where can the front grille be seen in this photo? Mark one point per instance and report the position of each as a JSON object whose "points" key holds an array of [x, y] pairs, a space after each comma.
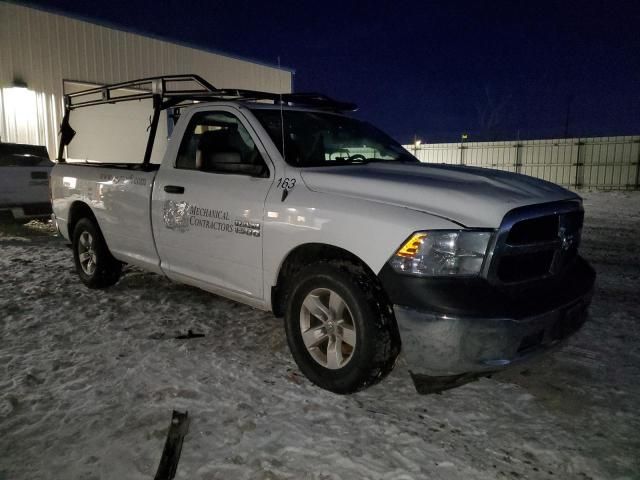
{"points": [[534, 230], [518, 268], [536, 242]]}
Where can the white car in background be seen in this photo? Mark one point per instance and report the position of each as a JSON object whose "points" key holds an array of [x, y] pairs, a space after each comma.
{"points": [[24, 182]]}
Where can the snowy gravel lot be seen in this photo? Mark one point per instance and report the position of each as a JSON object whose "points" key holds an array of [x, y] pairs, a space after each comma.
{"points": [[88, 380]]}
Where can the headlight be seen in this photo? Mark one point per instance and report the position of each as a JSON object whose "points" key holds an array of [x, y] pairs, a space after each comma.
{"points": [[442, 252]]}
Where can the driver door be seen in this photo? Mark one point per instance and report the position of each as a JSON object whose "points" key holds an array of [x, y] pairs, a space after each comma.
{"points": [[209, 206]]}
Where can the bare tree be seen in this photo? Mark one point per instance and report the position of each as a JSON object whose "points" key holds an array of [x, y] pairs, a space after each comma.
{"points": [[491, 113]]}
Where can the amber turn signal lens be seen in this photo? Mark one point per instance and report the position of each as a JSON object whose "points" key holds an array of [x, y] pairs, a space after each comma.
{"points": [[411, 246]]}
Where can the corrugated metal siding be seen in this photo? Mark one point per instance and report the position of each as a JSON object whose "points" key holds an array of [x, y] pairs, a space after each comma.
{"points": [[44, 48], [594, 162]]}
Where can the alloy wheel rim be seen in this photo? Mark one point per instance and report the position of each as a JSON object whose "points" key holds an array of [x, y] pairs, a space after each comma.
{"points": [[86, 253], [327, 328]]}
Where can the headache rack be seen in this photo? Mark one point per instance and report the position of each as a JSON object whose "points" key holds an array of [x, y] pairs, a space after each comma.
{"points": [[169, 91]]}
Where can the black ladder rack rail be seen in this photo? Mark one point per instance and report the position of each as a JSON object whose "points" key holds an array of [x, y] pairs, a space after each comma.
{"points": [[159, 89], [143, 88]]}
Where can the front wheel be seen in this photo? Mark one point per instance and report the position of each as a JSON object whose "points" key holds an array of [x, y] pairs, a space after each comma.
{"points": [[94, 263], [340, 330]]}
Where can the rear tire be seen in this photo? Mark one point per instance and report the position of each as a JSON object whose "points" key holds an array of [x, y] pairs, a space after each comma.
{"points": [[95, 265], [340, 329]]}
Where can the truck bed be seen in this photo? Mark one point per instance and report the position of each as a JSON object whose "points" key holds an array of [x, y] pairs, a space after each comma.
{"points": [[119, 196]]}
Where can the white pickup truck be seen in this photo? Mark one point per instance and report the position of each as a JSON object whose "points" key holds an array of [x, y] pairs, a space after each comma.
{"points": [[284, 203]]}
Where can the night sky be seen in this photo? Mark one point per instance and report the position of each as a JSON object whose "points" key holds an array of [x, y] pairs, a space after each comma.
{"points": [[492, 69]]}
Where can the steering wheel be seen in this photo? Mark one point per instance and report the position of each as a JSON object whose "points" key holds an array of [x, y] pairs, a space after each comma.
{"points": [[357, 156]]}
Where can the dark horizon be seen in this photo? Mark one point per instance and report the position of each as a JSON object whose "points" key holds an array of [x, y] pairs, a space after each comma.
{"points": [[493, 70]]}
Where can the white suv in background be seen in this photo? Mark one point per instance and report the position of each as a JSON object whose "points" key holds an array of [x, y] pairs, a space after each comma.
{"points": [[24, 182]]}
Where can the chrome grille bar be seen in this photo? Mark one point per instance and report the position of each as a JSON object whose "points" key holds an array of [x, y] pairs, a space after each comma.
{"points": [[560, 249]]}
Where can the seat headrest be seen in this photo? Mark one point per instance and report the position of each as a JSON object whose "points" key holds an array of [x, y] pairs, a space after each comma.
{"points": [[216, 141]]}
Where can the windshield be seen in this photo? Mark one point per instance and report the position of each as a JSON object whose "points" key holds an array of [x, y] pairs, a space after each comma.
{"points": [[314, 139]]}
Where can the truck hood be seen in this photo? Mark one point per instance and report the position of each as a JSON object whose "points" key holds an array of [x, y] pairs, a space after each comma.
{"points": [[471, 196]]}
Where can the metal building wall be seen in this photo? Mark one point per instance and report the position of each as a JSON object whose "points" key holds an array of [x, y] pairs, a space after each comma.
{"points": [[596, 162], [43, 49]]}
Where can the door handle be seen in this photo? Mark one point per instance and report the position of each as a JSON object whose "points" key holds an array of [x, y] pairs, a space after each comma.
{"points": [[173, 189]]}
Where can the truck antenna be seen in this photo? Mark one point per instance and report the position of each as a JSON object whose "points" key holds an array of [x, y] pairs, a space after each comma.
{"points": [[284, 155]]}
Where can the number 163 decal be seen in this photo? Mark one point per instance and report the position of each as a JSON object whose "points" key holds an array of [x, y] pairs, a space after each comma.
{"points": [[286, 183]]}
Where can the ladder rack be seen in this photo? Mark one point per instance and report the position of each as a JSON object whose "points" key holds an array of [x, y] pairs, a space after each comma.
{"points": [[169, 91]]}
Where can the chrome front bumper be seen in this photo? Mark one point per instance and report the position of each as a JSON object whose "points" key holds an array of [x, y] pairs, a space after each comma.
{"points": [[436, 345]]}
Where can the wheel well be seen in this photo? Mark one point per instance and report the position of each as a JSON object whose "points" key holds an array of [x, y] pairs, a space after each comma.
{"points": [[78, 211], [305, 255]]}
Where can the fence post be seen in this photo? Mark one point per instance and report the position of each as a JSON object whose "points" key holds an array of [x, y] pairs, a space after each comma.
{"points": [[518, 163], [637, 185], [579, 166], [463, 137]]}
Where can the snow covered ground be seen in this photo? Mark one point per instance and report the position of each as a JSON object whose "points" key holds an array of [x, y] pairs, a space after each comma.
{"points": [[88, 380]]}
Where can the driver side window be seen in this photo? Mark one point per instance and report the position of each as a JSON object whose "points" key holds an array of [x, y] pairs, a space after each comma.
{"points": [[217, 142]]}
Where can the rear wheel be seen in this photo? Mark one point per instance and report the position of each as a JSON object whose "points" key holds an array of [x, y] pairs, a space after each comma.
{"points": [[340, 332], [95, 265]]}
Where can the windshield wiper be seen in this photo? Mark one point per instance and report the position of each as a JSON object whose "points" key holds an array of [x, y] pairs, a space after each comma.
{"points": [[359, 160], [383, 160]]}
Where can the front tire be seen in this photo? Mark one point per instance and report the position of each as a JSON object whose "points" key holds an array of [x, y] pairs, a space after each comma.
{"points": [[340, 329], [95, 265]]}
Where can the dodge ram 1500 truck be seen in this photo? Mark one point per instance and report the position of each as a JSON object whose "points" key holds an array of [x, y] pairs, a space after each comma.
{"points": [[287, 204]]}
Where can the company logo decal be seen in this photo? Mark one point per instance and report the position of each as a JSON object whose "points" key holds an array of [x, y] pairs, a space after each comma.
{"points": [[175, 215], [123, 179], [182, 216]]}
